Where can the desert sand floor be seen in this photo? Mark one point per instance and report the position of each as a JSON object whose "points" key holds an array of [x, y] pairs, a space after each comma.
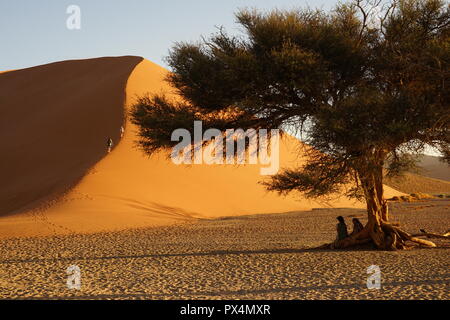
{"points": [[247, 257]]}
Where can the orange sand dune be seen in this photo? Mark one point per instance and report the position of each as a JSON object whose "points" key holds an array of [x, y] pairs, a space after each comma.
{"points": [[55, 120], [54, 123]]}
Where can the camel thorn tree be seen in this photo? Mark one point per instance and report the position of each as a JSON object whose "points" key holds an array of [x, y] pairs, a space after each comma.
{"points": [[365, 85]]}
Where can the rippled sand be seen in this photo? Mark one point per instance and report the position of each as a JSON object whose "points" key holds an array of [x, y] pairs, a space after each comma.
{"points": [[248, 257]]}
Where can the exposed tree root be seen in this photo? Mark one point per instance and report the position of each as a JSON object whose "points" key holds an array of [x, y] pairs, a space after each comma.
{"points": [[423, 242], [432, 235], [385, 237]]}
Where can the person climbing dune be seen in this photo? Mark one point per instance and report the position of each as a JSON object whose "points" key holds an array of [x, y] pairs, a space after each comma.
{"points": [[109, 144]]}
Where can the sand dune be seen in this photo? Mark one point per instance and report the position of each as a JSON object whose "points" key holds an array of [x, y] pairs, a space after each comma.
{"points": [[55, 120], [54, 123], [412, 183], [434, 168], [432, 176]]}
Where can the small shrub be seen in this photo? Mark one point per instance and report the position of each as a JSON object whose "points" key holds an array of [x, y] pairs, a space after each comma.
{"points": [[406, 198], [420, 196]]}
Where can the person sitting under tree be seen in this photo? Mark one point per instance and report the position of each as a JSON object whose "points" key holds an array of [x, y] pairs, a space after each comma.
{"points": [[342, 232], [357, 226]]}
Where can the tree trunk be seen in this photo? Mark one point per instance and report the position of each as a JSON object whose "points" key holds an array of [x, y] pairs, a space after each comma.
{"points": [[376, 208], [378, 230]]}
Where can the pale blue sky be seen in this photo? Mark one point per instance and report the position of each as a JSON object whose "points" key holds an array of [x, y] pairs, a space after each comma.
{"points": [[34, 32]]}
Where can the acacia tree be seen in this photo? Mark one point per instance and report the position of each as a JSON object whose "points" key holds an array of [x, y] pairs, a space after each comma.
{"points": [[366, 85]]}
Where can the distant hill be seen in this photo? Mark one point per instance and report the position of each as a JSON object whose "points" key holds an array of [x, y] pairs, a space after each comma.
{"points": [[432, 176], [434, 168], [412, 183]]}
